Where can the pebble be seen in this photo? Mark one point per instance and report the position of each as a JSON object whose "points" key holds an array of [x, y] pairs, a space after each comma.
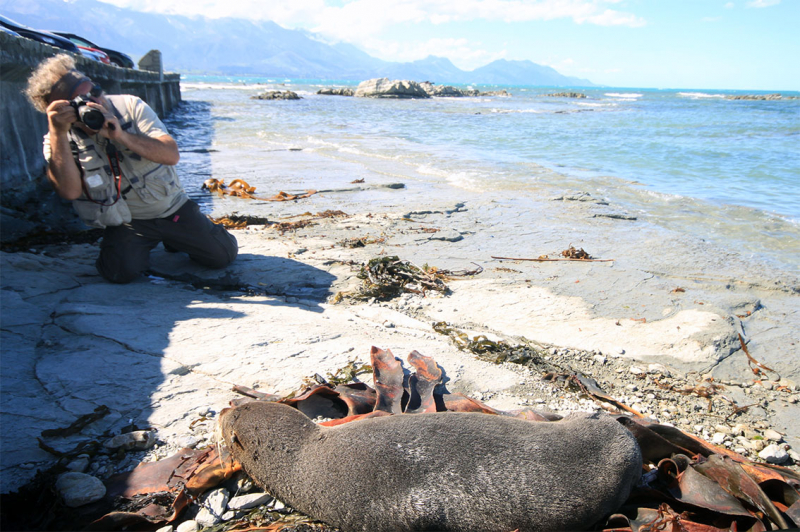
{"points": [[167, 528], [600, 359], [637, 371], [718, 438], [78, 489], [79, 465], [772, 435], [774, 454], [251, 500], [187, 441], [213, 506], [188, 526], [140, 440]]}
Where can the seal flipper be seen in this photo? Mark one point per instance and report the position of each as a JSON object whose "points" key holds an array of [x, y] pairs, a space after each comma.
{"points": [[422, 383], [388, 373]]}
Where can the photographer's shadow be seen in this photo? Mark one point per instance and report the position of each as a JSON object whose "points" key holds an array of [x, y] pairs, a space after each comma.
{"points": [[250, 273]]}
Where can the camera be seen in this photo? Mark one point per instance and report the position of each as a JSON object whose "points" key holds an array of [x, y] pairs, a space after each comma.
{"points": [[93, 118]]}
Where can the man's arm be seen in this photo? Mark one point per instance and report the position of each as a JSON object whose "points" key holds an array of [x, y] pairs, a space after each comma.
{"points": [[161, 150], [62, 171]]}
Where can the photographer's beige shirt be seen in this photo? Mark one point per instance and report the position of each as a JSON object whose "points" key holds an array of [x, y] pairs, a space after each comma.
{"points": [[163, 194]]}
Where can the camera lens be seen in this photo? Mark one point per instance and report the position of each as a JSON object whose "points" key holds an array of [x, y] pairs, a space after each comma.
{"points": [[93, 118]]}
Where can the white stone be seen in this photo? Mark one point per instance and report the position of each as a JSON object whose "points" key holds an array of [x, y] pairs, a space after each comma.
{"points": [[78, 489], [187, 441], [278, 505], [139, 440], [600, 359], [637, 370], [213, 505], [188, 526], [772, 435], [251, 500], [168, 528], [774, 454], [718, 438]]}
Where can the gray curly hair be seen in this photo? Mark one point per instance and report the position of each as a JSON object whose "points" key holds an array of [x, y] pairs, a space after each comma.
{"points": [[43, 79]]}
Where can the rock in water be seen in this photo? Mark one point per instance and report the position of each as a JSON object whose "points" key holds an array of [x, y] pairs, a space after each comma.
{"points": [[384, 88], [444, 471]]}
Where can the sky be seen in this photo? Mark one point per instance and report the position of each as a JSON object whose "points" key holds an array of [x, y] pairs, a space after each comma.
{"points": [[703, 44]]}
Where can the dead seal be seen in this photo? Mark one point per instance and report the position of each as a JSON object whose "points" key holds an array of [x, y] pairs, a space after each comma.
{"points": [[443, 471]]}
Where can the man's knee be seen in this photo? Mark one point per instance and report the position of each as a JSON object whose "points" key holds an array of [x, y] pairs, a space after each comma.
{"points": [[223, 250], [118, 272], [122, 261]]}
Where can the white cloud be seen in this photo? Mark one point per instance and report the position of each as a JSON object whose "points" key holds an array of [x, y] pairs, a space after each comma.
{"points": [[763, 3], [729, 5], [711, 19], [365, 22], [366, 17]]}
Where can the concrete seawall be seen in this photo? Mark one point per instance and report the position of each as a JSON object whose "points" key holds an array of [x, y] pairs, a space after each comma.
{"points": [[27, 202]]}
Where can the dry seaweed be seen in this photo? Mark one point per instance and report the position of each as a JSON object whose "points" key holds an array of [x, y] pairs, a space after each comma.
{"points": [[237, 221], [282, 227], [362, 242], [241, 189], [545, 258], [496, 352], [348, 373], [572, 253], [454, 273], [759, 369], [384, 278]]}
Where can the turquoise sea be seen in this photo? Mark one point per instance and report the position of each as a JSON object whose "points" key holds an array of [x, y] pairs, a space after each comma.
{"points": [[690, 160]]}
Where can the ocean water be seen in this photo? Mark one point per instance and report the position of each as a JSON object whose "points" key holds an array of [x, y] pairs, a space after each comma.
{"points": [[692, 161]]}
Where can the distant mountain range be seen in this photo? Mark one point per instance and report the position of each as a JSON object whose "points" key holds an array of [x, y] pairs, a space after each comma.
{"points": [[231, 46]]}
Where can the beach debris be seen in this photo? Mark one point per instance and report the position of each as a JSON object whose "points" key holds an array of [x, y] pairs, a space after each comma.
{"points": [[759, 369], [356, 181], [678, 290], [590, 388], [572, 253], [361, 242], [387, 277], [76, 426], [569, 254], [240, 221], [493, 351], [241, 189], [455, 273]]}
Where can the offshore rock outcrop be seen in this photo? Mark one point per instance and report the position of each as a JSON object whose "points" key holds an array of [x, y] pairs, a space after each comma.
{"points": [[768, 97], [277, 95], [385, 88], [339, 91], [565, 94]]}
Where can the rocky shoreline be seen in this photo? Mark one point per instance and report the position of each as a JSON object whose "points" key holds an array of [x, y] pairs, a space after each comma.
{"points": [[285, 310]]}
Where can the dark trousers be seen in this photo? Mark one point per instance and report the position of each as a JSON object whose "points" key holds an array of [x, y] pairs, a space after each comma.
{"points": [[125, 250]]}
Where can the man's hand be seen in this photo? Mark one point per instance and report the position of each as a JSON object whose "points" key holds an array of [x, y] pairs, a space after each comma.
{"points": [[60, 116], [161, 150]]}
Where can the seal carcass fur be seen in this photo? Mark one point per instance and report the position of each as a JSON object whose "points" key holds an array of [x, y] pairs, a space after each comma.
{"points": [[440, 471]]}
